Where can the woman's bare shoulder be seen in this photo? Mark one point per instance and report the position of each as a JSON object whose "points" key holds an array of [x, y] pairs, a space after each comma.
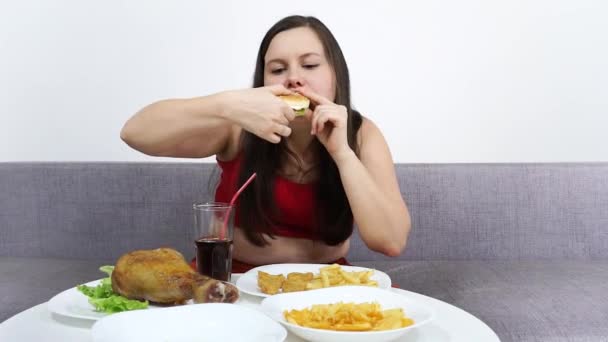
{"points": [[368, 131]]}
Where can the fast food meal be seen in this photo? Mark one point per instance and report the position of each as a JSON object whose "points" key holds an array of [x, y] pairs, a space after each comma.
{"points": [[329, 276], [297, 102], [349, 317]]}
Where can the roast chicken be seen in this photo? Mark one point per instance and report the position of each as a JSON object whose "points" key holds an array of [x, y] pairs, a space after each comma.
{"points": [[163, 276]]}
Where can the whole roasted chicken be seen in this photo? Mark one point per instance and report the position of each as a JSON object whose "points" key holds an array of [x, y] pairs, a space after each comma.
{"points": [[163, 276]]}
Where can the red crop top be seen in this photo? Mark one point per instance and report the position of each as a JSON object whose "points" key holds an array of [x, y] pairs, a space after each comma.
{"points": [[294, 201]]}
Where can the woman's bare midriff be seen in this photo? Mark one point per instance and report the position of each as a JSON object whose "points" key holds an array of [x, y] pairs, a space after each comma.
{"points": [[286, 250]]}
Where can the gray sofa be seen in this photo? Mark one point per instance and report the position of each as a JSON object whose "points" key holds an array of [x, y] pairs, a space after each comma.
{"points": [[524, 247]]}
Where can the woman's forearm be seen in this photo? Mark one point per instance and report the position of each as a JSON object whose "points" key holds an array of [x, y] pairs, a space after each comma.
{"points": [[162, 127], [383, 223]]}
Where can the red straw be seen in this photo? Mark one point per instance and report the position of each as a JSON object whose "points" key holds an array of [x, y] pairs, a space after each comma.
{"points": [[232, 201]]}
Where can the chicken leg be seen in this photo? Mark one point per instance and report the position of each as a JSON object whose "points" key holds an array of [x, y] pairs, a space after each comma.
{"points": [[163, 276]]}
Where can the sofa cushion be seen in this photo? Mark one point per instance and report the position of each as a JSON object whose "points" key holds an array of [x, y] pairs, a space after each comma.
{"points": [[25, 282], [522, 301]]}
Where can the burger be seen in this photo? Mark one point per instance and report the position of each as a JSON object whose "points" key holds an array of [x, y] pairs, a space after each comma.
{"points": [[297, 102]]}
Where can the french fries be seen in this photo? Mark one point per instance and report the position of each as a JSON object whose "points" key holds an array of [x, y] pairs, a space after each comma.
{"points": [[349, 317], [332, 275]]}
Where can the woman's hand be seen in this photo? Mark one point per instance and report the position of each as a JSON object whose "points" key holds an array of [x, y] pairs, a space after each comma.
{"points": [[260, 111], [329, 124]]}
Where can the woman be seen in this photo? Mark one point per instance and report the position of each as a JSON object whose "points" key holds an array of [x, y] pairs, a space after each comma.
{"points": [[316, 174]]}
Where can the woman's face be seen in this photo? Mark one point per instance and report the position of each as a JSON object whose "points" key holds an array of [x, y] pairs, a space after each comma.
{"points": [[296, 59]]}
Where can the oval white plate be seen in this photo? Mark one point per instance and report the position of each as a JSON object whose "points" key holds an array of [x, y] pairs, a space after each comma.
{"points": [[248, 282], [275, 305], [189, 323], [73, 303]]}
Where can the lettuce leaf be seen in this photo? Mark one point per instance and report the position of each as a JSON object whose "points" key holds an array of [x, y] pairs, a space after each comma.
{"points": [[116, 303], [104, 299], [103, 290]]}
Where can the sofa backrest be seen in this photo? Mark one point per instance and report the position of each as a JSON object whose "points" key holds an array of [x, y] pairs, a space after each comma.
{"points": [[459, 211], [504, 211]]}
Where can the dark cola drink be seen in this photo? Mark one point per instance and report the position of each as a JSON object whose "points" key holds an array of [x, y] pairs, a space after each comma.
{"points": [[214, 258]]}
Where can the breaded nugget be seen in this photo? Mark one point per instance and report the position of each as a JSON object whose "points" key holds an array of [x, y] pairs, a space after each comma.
{"points": [[297, 281], [296, 276], [269, 283]]}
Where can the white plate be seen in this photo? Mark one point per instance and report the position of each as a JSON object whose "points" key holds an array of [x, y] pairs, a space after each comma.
{"points": [[189, 323], [73, 303], [275, 305], [450, 325], [248, 282]]}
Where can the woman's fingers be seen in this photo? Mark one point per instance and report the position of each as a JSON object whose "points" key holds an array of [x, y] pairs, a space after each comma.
{"points": [[281, 119], [288, 112], [313, 122], [321, 122], [276, 132], [314, 97], [279, 89], [319, 118], [282, 130], [273, 138]]}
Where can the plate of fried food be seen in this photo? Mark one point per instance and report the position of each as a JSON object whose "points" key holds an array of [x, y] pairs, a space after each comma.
{"points": [[348, 314], [268, 280], [142, 279]]}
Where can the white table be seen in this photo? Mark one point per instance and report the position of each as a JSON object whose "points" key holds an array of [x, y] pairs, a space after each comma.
{"points": [[451, 324]]}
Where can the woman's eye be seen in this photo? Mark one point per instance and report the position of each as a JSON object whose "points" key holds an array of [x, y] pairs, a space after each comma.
{"points": [[311, 66], [276, 71]]}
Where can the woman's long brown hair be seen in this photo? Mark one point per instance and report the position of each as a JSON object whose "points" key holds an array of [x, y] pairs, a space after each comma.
{"points": [[256, 206]]}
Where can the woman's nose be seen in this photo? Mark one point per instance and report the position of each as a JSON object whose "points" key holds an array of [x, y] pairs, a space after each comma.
{"points": [[294, 80]]}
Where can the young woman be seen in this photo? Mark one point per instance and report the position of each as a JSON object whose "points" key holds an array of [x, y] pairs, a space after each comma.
{"points": [[316, 175]]}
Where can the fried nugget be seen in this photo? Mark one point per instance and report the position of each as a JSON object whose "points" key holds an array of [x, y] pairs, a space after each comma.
{"points": [[270, 283], [296, 276], [297, 281]]}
